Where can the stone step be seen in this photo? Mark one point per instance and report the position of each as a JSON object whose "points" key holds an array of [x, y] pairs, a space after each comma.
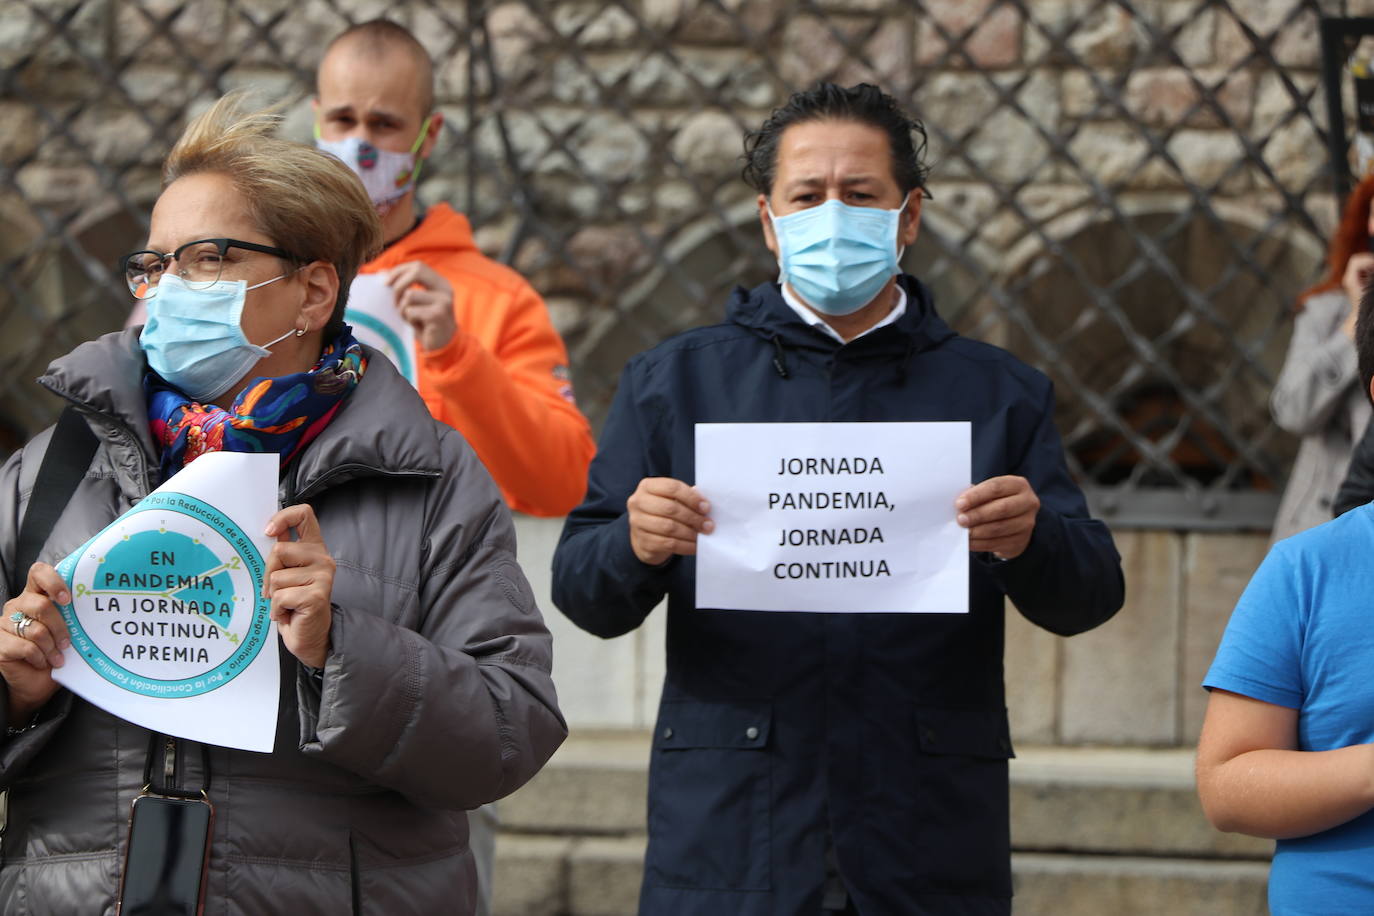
{"points": [[1120, 801], [565, 876], [597, 783], [1086, 800], [1076, 885]]}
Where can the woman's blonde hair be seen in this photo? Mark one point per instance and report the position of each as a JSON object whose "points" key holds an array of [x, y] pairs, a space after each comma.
{"points": [[306, 201]]}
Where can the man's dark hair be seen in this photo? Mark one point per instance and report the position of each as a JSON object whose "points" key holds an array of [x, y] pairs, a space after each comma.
{"points": [[1364, 338], [862, 104]]}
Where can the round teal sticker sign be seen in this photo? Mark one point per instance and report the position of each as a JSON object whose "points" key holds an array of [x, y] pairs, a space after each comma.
{"points": [[371, 330], [167, 602]]}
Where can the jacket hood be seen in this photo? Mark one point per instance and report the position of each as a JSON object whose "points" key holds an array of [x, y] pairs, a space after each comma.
{"points": [[442, 233], [382, 428], [763, 310], [105, 376]]}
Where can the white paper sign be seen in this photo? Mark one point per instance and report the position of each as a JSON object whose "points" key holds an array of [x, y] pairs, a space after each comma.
{"points": [[833, 516], [372, 312], [168, 624]]}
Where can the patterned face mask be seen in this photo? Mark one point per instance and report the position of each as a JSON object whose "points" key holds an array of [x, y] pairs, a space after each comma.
{"points": [[386, 175]]}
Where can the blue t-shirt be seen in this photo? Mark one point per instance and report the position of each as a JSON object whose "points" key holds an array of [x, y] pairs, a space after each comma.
{"points": [[1302, 637]]}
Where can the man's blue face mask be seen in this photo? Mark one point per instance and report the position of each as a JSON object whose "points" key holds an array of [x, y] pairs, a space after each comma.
{"points": [[835, 256]]}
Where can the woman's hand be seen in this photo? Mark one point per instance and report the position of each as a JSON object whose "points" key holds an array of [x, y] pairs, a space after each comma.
{"points": [[26, 661], [1359, 271], [299, 580]]}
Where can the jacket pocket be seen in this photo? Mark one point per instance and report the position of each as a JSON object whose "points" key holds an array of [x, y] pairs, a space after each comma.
{"points": [[961, 794], [710, 796], [965, 732]]}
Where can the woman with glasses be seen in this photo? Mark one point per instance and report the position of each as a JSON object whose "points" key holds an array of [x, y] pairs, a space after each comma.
{"points": [[415, 663]]}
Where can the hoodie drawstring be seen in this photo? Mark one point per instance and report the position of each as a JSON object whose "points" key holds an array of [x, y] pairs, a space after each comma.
{"points": [[905, 360], [779, 357]]}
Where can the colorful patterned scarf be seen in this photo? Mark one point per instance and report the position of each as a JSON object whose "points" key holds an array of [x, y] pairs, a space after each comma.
{"points": [[277, 415]]}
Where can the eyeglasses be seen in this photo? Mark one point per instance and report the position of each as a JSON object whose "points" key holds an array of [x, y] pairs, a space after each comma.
{"points": [[199, 264]]}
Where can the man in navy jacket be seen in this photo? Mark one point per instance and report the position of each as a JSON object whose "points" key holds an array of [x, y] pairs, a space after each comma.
{"points": [[811, 763]]}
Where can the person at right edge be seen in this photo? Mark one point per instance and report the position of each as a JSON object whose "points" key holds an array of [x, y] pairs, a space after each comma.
{"points": [[1287, 745], [1317, 396], [810, 763]]}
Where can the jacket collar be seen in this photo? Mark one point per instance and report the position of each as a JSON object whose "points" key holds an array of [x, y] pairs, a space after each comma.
{"points": [[763, 310], [440, 233], [105, 377], [381, 429]]}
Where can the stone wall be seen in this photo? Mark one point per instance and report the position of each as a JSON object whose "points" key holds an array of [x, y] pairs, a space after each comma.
{"points": [[1136, 680], [596, 146]]}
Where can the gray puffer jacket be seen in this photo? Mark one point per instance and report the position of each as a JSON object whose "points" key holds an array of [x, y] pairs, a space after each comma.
{"points": [[436, 696]]}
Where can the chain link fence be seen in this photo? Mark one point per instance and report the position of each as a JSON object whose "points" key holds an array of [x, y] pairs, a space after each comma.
{"points": [[1129, 194]]}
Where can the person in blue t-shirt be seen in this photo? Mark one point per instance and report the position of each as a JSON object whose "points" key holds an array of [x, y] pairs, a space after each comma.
{"points": [[1287, 746]]}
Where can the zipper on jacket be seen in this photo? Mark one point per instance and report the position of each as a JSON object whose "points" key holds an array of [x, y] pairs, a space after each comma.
{"points": [[169, 763]]}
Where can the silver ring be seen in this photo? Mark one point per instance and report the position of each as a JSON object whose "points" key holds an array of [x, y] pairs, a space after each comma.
{"points": [[22, 626]]}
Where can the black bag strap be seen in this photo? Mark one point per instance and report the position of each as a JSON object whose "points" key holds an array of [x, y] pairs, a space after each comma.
{"points": [[70, 450], [68, 455]]}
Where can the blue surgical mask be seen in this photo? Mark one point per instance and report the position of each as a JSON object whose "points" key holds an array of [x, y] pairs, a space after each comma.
{"points": [[837, 257], [193, 338]]}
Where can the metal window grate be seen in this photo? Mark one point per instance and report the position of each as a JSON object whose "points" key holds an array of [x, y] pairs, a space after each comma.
{"points": [[1127, 194]]}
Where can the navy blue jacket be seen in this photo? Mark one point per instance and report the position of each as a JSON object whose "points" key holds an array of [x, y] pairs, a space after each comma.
{"points": [[780, 733]]}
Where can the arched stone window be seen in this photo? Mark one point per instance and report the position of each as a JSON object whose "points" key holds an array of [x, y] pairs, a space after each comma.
{"points": [[1163, 346]]}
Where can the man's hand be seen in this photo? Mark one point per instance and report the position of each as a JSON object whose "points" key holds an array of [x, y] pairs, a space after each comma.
{"points": [[26, 662], [300, 580], [999, 514], [665, 517], [425, 300]]}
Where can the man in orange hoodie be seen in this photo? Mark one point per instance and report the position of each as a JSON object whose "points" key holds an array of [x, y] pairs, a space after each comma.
{"points": [[490, 363]]}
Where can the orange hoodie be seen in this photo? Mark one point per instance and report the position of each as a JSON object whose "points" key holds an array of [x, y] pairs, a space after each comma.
{"points": [[502, 381]]}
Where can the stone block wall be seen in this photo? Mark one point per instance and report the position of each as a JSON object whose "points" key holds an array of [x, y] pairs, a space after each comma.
{"points": [[596, 145], [1136, 679]]}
